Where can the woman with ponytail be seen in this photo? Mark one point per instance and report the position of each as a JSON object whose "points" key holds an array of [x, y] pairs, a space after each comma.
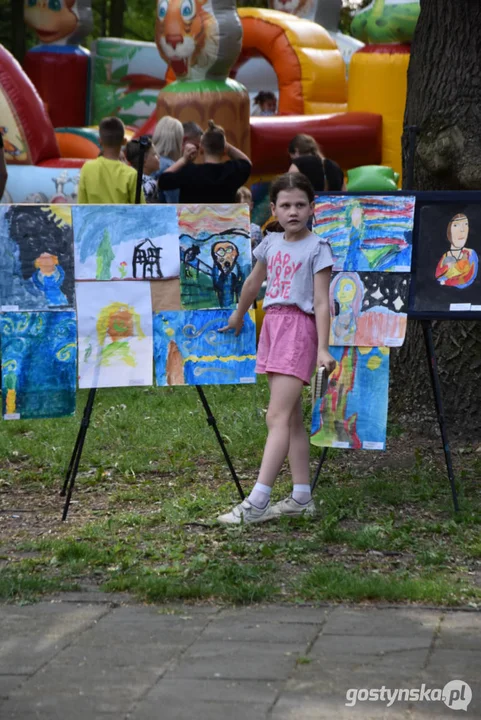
{"points": [[215, 180]]}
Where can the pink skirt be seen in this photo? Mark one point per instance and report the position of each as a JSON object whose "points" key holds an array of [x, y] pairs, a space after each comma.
{"points": [[288, 343]]}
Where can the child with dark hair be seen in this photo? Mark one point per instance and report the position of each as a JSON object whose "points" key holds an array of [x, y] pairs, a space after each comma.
{"points": [[107, 180], [151, 166], [213, 181], [294, 339], [307, 158], [265, 103]]}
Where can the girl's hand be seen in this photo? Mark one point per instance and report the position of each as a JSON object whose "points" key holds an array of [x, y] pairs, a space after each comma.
{"points": [[235, 322], [325, 359]]}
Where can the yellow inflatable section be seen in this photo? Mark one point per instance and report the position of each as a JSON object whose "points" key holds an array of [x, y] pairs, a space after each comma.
{"points": [[310, 70], [378, 84]]}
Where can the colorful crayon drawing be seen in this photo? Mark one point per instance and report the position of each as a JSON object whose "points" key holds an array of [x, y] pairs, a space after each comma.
{"points": [[353, 412], [115, 334], [369, 232], [134, 242], [39, 363], [215, 254], [190, 350], [368, 309], [36, 257], [458, 266]]}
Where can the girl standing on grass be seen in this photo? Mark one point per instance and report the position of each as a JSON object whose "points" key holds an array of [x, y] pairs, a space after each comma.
{"points": [[294, 339]]}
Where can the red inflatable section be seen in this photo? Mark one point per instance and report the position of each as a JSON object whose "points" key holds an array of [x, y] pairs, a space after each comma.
{"points": [[351, 139], [26, 107], [61, 78]]}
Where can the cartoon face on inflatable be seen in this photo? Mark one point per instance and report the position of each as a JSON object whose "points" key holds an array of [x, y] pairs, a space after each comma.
{"points": [[52, 20], [187, 36]]}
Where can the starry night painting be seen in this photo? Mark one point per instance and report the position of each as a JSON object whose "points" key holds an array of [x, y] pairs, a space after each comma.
{"points": [[190, 350], [39, 364], [36, 257], [367, 233], [368, 308], [215, 254]]}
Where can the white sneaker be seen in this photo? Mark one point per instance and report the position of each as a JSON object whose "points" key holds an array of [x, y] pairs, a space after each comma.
{"points": [[292, 508], [246, 513]]}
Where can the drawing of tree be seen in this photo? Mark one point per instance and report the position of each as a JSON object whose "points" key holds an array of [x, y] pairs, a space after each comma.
{"points": [[105, 256]]}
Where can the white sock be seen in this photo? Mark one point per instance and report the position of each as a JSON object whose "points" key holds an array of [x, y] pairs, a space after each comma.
{"points": [[301, 494], [260, 495]]}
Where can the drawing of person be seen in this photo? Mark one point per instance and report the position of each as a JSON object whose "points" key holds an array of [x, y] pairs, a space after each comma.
{"points": [[355, 217], [227, 283], [458, 266], [116, 324], [345, 298], [48, 277]]}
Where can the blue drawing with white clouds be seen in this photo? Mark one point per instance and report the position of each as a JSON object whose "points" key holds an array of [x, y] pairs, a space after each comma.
{"points": [[117, 242], [190, 350]]}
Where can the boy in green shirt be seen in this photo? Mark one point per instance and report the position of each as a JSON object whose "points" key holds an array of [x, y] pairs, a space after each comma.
{"points": [[107, 180]]}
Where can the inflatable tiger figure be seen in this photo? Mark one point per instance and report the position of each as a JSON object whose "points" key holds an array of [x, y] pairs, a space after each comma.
{"points": [[187, 36]]}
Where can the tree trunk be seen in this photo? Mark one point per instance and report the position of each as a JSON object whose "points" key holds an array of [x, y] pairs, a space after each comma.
{"points": [[444, 103], [18, 30], [116, 19]]}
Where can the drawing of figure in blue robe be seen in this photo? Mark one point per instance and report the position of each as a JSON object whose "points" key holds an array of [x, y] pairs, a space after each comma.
{"points": [[356, 237], [48, 278], [226, 277]]}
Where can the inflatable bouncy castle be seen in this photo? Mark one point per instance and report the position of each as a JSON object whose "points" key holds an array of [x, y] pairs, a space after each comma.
{"points": [[203, 49]]}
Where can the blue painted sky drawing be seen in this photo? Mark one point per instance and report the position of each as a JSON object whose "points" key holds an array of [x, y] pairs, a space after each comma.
{"points": [[353, 412], [367, 232], [189, 350], [39, 364], [106, 238]]}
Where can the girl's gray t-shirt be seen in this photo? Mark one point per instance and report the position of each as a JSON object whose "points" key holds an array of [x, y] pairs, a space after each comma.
{"points": [[291, 266]]}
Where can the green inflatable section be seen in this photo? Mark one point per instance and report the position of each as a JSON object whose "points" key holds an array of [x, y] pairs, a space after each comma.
{"points": [[372, 178], [386, 21]]}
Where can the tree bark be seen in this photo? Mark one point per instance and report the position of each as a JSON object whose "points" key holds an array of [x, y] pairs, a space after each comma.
{"points": [[444, 103], [18, 30]]}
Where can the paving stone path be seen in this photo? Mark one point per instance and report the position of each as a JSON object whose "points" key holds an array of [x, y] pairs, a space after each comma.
{"points": [[98, 657]]}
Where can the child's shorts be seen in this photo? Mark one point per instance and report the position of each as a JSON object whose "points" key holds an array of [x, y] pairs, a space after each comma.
{"points": [[288, 343]]}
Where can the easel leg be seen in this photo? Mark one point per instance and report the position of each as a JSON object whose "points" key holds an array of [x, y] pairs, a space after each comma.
{"points": [[433, 371], [77, 453], [319, 468], [212, 422]]}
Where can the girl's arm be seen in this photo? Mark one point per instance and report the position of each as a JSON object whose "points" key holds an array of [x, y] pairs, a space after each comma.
{"points": [[323, 319], [236, 154], [249, 293]]}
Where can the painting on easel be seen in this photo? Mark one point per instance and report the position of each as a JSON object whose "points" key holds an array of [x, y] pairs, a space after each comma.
{"points": [[446, 279], [353, 412], [215, 253], [132, 242]]}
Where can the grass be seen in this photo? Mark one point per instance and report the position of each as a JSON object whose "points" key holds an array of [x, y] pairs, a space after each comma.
{"points": [[152, 479]]}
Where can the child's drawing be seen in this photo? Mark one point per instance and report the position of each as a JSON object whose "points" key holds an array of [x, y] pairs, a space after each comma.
{"points": [[353, 412], [39, 354], [36, 257], [133, 242], [368, 232], [190, 350], [368, 308], [115, 334], [215, 253]]}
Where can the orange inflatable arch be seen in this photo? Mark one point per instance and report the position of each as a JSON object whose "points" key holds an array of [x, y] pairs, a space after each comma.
{"points": [[310, 70]]}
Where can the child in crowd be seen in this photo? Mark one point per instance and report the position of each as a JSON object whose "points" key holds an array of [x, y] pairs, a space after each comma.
{"points": [[294, 339], [108, 180], [244, 195], [214, 180], [307, 158], [265, 103], [151, 166]]}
